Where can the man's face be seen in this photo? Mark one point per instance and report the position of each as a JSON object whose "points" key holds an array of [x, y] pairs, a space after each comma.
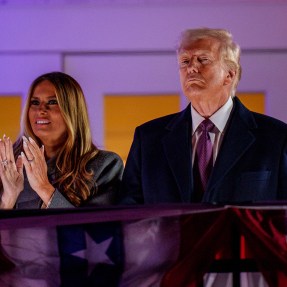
{"points": [[204, 76]]}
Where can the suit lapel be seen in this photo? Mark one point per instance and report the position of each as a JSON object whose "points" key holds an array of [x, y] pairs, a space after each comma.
{"points": [[177, 148], [236, 142]]}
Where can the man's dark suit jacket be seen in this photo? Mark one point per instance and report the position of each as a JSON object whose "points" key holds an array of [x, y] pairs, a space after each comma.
{"points": [[251, 165]]}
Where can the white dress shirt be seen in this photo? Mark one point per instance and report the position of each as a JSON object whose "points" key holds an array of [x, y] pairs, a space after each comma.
{"points": [[219, 119]]}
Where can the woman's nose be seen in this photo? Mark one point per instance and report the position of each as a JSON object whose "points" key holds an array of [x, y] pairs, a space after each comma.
{"points": [[43, 107]]}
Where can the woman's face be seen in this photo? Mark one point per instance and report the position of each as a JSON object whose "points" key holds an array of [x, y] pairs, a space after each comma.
{"points": [[45, 116]]}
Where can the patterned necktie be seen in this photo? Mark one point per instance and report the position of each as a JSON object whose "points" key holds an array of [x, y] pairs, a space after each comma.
{"points": [[203, 159]]}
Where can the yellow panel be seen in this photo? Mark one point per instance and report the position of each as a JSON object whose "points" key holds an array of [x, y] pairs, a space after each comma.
{"points": [[253, 101], [10, 113], [124, 113]]}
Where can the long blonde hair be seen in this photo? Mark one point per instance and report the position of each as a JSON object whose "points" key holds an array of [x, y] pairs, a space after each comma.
{"points": [[72, 178]]}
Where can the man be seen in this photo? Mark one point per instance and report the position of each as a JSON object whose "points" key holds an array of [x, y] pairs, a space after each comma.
{"points": [[245, 153]]}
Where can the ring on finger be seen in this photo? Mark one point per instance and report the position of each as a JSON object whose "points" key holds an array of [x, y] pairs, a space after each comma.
{"points": [[4, 162]]}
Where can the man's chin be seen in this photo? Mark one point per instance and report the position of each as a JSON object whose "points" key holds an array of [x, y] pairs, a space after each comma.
{"points": [[194, 88]]}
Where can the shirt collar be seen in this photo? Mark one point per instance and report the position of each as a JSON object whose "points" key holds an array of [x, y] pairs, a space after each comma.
{"points": [[219, 118]]}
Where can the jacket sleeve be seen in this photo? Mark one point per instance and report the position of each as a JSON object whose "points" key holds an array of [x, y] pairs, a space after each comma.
{"points": [[131, 191], [108, 170], [59, 201]]}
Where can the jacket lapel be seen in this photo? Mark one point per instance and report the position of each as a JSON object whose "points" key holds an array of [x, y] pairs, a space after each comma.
{"points": [[236, 142], [177, 148]]}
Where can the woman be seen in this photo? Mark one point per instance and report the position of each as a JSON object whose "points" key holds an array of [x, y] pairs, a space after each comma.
{"points": [[63, 168]]}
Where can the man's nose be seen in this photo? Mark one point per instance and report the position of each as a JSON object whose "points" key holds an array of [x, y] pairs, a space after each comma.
{"points": [[192, 66]]}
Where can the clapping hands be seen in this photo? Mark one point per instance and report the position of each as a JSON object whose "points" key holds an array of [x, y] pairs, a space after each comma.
{"points": [[11, 171], [11, 174]]}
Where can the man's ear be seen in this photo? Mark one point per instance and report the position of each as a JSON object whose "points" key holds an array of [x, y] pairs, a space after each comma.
{"points": [[230, 77]]}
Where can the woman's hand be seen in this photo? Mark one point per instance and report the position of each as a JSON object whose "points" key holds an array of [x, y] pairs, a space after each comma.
{"points": [[11, 174], [36, 169]]}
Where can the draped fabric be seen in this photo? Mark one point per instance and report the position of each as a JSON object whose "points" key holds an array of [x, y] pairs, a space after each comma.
{"points": [[203, 235], [264, 232], [167, 246]]}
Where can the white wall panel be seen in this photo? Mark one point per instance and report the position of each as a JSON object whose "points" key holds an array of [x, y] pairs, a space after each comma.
{"points": [[267, 72], [18, 71]]}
